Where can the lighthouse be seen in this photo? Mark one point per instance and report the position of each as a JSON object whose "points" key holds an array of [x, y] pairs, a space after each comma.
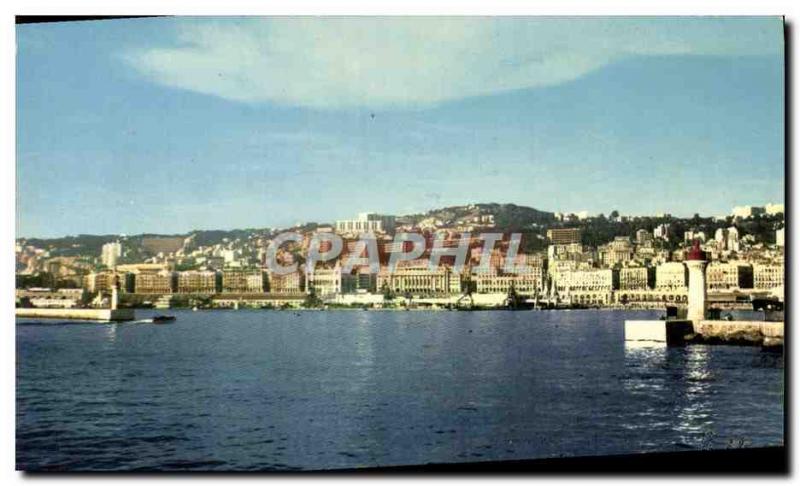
{"points": [[696, 262]]}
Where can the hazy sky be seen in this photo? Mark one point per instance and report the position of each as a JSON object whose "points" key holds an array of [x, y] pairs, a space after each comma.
{"points": [[167, 125]]}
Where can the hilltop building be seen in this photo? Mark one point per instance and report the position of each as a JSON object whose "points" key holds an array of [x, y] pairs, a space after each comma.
{"points": [[365, 223]]}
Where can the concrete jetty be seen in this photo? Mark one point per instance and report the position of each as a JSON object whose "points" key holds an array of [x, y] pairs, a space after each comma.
{"points": [[697, 328]]}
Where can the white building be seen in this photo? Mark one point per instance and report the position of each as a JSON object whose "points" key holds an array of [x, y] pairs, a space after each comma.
{"points": [[747, 211], [780, 237], [690, 236], [766, 277], [728, 238], [326, 282], [773, 209], [365, 223], [728, 275], [110, 253], [670, 276], [661, 231]]}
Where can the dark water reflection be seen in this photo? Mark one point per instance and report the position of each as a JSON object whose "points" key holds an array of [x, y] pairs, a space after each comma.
{"points": [[238, 390]]}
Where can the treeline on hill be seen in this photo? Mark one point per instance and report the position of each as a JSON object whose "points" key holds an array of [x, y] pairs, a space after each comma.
{"points": [[73, 245]]}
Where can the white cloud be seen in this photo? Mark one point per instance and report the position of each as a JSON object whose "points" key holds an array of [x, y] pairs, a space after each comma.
{"points": [[413, 62]]}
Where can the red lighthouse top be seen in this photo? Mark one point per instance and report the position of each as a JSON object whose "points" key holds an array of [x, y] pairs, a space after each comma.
{"points": [[695, 253]]}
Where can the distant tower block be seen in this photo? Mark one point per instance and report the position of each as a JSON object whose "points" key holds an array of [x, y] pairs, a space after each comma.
{"points": [[696, 261]]}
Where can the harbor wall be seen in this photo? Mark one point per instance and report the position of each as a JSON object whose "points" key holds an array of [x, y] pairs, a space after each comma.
{"points": [[80, 314], [680, 332]]}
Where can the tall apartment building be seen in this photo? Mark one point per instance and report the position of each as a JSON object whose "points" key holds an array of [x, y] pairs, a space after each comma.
{"points": [[727, 238], [110, 254]]}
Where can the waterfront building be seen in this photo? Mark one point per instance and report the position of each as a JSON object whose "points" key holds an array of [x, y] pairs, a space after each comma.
{"points": [[590, 298], [142, 268], [589, 279], [198, 282], [729, 276], [110, 254], [366, 223], [359, 281], [768, 276], [326, 282], [161, 282], [652, 297], [242, 281], [635, 278], [523, 283], [415, 278], [290, 283], [100, 281], [671, 275], [564, 236]]}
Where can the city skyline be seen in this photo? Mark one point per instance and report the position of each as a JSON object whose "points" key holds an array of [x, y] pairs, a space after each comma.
{"points": [[112, 140]]}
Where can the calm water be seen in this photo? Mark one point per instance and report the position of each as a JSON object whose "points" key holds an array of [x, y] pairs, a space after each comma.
{"points": [[238, 390]]}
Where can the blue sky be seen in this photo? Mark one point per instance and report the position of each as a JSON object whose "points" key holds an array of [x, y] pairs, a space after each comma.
{"points": [[173, 124]]}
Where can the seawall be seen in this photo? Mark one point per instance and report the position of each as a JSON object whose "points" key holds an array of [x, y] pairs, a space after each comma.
{"points": [[680, 332], [78, 314]]}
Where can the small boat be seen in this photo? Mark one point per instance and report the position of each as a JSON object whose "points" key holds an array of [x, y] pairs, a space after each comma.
{"points": [[161, 319]]}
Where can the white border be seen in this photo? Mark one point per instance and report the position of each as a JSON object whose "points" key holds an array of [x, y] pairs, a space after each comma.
{"points": [[319, 7]]}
